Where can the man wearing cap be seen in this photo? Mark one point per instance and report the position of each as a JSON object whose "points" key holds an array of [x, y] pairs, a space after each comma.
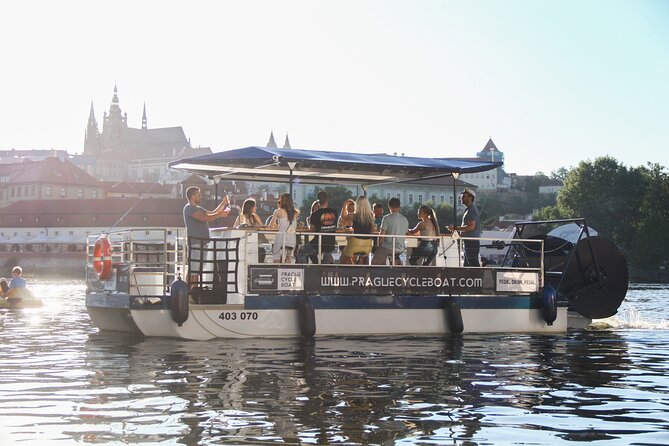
{"points": [[471, 227]]}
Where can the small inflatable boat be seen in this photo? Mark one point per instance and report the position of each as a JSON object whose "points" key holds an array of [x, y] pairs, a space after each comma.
{"points": [[18, 298]]}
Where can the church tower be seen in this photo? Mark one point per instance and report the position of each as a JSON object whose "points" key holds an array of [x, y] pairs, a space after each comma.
{"points": [[113, 125], [144, 118], [92, 137]]}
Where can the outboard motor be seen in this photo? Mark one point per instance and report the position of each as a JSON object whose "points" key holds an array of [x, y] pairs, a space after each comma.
{"points": [[596, 279], [581, 268], [179, 301]]}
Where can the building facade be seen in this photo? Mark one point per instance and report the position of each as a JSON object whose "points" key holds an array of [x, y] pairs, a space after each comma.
{"points": [[120, 152]]}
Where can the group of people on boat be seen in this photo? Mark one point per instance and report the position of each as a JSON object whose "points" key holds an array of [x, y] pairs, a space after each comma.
{"points": [[369, 230]]}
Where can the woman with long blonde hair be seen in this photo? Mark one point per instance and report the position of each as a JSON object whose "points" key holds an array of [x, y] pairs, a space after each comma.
{"points": [[361, 222]]}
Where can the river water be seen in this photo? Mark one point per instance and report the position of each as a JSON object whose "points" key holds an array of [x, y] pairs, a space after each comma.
{"points": [[62, 383]]}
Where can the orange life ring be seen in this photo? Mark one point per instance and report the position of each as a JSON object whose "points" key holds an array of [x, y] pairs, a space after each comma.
{"points": [[102, 258]]}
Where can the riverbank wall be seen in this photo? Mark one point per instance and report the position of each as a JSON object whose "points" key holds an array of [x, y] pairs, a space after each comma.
{"points": [[63, 265]]}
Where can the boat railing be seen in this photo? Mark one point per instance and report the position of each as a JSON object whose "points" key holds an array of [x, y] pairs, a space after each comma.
{"points": [[150, 259], [448, 253], [144, 260]]}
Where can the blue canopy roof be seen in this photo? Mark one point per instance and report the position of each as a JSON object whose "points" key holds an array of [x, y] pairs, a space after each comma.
{"points": [[318, 166]]}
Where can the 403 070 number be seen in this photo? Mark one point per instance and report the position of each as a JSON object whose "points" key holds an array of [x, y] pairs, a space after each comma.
{"points": [[242, 316]]}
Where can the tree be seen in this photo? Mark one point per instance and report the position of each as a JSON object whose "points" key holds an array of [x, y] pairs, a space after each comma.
{"points": [[336, 197], [560, 174], [608, 195], [650, 246]]}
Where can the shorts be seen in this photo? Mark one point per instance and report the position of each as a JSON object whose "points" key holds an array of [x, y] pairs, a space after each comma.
{"points": [[356, 245]]}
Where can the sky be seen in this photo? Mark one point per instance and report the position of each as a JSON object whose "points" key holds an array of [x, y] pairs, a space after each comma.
{"points": [[552, 83]]}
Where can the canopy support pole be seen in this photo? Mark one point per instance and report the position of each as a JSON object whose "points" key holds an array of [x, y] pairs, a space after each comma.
{"points": [[455, 203], [291, 166]]}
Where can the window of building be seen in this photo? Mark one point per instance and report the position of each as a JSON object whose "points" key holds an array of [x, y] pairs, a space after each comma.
{"points": [[94, 194], [71, 232], [33, 190], [420, 198], [388, 196], [398, 196], [56, 232], [29, 233], [18, 191], [433, 200], [63, 192], [410, 198], [441, 199], [12, 192], [80, 193], [47, 191]]}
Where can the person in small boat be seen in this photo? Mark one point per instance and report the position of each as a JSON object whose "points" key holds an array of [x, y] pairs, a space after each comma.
{"points": [[471, 227], [427, 227], [360, 222], [248, 218], [196, 219], [17, 281], [392, 224], [323, 219], [284, 220]]}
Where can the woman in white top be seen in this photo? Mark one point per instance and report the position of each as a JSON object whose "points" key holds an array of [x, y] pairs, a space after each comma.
{"points": [[284, 220]]}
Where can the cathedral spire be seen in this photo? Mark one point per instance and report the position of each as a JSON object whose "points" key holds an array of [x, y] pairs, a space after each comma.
{"points": [[92, 134], [144, 118], [271, 144], [286, 144]]}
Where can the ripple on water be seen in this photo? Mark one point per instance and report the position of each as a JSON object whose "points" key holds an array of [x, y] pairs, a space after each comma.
{"points": [[63, 383]]}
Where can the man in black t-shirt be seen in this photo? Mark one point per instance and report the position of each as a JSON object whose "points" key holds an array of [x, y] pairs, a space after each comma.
{"points": [[323, 220]]}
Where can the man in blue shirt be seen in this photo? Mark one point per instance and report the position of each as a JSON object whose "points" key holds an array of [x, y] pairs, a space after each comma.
{"points": [[196, 219], [471, 227]]}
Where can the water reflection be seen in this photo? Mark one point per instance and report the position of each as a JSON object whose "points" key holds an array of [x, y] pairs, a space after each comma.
{"points": [[357, 390], [62, 382]]}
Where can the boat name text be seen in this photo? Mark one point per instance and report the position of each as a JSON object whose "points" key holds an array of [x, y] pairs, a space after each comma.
{"points": [[402, 282]]}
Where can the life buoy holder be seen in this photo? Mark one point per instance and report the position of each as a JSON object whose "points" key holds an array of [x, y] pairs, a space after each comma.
{"points": [[102, 258]]}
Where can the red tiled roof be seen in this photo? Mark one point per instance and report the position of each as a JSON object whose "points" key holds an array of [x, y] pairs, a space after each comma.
{"points": [[49, 170], [147, 212]]}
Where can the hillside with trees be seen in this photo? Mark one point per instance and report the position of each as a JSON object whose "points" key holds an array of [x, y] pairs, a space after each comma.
{"points": [[629, 205]]}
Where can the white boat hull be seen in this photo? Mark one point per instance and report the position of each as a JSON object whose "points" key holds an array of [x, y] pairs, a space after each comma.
{"points": [[205, 322]]}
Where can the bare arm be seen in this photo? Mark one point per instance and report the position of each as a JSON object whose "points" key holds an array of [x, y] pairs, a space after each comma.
{"points": [[470, 226], [415, 230]]}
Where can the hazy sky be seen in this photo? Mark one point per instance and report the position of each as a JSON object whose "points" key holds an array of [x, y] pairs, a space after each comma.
{"points": [[552, 83]]}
